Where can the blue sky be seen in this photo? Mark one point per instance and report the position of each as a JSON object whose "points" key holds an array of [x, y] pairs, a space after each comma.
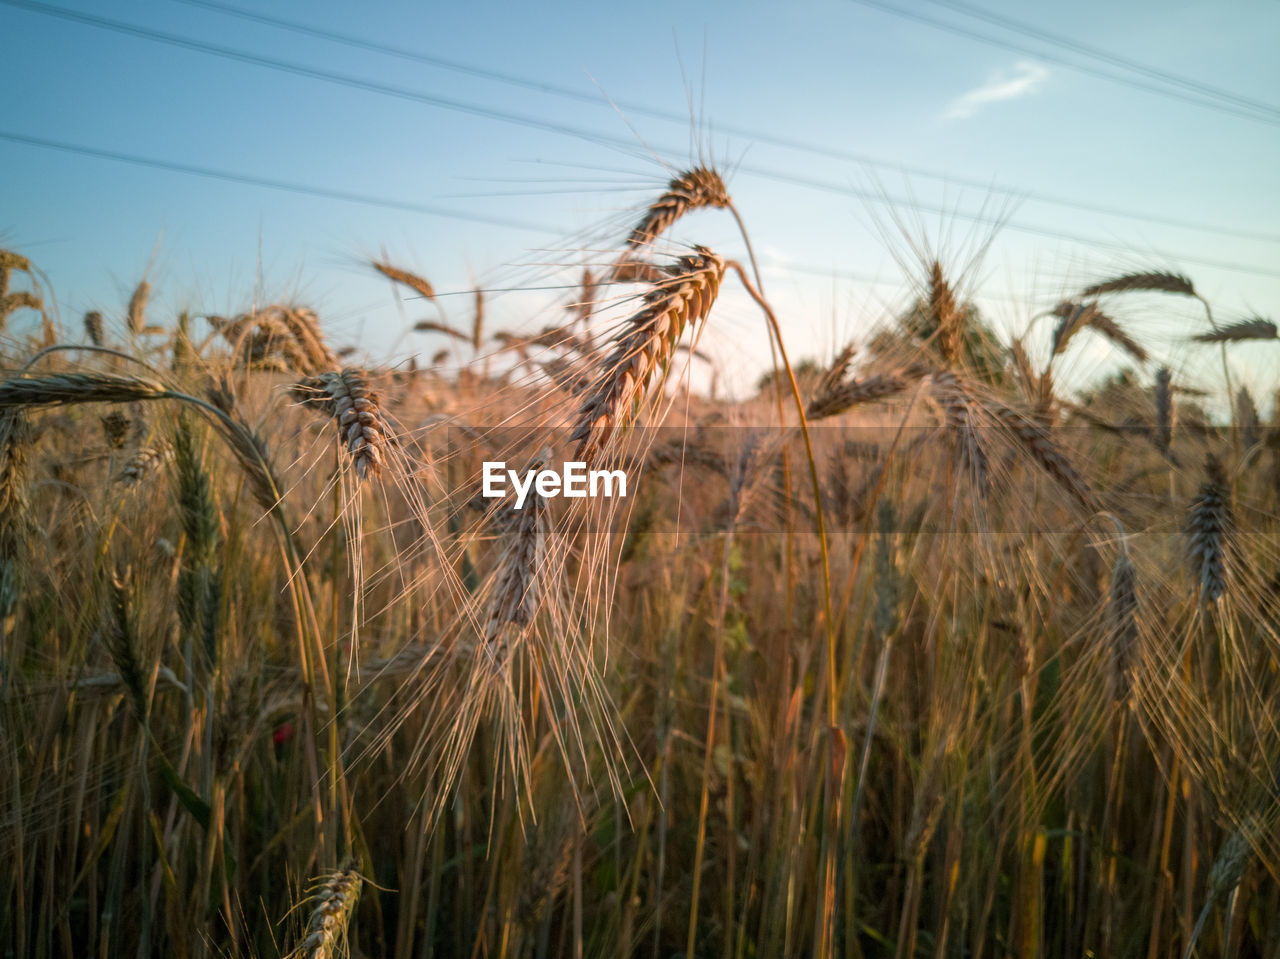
{"points": [[840, 76]]}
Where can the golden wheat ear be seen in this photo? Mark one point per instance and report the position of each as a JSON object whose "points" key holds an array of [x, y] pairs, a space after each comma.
{"points": [[405, 278], [694, 189], [334, 903], [137, 313], [646, 345]]}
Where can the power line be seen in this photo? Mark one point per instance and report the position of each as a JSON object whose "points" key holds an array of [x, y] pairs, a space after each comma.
{"points": [[783, 176], [273, 184], [566, 130], [1272, 117], [1096, 53], [761, 136], [445, 212]]}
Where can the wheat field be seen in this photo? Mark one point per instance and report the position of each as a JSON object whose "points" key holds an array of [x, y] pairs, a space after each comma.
{"points": [[911, 652]]}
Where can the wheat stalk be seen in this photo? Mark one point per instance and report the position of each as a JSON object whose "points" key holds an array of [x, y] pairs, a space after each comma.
{"points": [[644, 346]]}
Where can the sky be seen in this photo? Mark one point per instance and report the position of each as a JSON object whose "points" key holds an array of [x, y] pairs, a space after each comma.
{"points": [[491, 144]]}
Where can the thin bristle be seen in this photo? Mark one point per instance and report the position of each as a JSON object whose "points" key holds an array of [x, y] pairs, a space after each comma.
{"points": [[837, 370]]}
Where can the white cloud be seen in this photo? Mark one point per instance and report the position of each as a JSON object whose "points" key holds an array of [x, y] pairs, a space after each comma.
{"points": [[1024, 79]]}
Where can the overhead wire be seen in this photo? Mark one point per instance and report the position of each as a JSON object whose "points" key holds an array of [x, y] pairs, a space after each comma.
{"points": [[531, 122], [756, 135]]}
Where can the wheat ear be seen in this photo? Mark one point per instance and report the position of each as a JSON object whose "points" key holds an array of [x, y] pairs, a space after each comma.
{"points": [[405, 278], [840, 397], [516, 593], [1073, 317], [959, 412], [93, 327], [646, 345], [347, 397], [335, 902], [945, 315], [1208, 528], [1154, 282], [692, 190], [1256, 328], [138, 308]]}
